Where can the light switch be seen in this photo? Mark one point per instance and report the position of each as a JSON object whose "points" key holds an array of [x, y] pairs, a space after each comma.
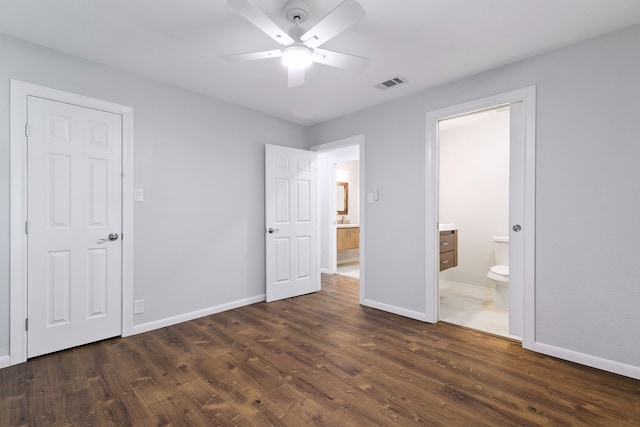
{"points": [[138, 195], [369, 197]]}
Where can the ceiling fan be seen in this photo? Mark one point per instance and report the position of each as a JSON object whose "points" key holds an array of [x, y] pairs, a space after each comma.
{"points": [[300, 47]]}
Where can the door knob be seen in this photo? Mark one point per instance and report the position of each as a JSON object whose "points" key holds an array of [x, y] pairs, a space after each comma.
{"points": [[517, 228], [273, 230], [110, 238]]}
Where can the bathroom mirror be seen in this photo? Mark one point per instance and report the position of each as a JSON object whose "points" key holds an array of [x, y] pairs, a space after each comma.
{"points": [[342, 198]]}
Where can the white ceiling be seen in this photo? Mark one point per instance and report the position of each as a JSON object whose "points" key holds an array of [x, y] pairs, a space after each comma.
{"points": [[428, 42]]}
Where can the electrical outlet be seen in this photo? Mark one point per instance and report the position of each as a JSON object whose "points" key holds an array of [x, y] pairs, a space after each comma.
{"points": [[138, 306]]}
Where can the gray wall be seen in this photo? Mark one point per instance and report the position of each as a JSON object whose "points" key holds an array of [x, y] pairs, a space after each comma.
{"points": [[199, 235], [587, 186]]}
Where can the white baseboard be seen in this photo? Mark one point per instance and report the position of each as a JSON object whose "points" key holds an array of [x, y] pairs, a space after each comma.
{"points": [[467, 285], [5, 361], [395, 310], [471, 290], [588, 360], [324, 270], [157, 324]]}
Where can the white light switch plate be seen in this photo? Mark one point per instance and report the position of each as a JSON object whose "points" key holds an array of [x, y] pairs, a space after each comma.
{"points": [[138, 195]]}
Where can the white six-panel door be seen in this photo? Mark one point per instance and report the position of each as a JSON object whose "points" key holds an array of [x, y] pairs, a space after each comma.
{"points": [[74, 204], [291, 228]]}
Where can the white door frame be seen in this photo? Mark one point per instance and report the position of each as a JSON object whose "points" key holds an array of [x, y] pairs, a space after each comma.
{"points": [[18, 165], [330, 225], [528, 97]]}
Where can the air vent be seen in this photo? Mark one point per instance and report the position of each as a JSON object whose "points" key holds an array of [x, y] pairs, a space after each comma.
{"points": [[393, 82]]}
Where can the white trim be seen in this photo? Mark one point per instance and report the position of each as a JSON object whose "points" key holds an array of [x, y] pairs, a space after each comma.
{"points": [[185, 317], [332, 238], [528, 97], [18, 157], [588, 360], [470, 287], [358, 140], [340, 143], [416, 315]]}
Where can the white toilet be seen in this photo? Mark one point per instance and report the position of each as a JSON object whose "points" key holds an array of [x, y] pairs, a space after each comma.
{"points": [[499, 273]]}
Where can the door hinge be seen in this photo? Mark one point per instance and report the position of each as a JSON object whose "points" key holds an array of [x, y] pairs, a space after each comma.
{"points": [[26, 227], [26, 324], [26, 130]]}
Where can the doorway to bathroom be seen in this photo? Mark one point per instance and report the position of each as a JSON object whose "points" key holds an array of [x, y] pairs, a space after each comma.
{"points": [[474, 219], [520, 225]]}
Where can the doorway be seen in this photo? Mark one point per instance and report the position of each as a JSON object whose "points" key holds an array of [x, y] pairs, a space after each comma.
{"points": [[347, 209], [56, 215], [474, 213], [521, 227], [342, 232]]}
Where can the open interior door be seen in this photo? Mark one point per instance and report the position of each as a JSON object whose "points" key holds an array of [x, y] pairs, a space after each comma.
{"points": [[291, 232]]}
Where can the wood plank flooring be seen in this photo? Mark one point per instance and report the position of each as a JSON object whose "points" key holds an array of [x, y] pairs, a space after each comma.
{"points": [[318, 359]]}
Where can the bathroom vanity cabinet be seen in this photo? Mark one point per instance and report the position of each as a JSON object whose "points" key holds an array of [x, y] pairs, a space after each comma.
{"points": [[348, 238], [448, 249]]}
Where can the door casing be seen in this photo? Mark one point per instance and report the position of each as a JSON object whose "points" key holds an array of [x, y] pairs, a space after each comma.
{"points": [[528, 98], [18, 164]]}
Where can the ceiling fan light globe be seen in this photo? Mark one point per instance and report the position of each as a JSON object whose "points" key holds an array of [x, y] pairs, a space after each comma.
{"points": [[297, 57]]}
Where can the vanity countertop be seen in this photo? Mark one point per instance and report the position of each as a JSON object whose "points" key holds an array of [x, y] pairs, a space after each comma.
{"points": [[447, 227], [347, 225]]}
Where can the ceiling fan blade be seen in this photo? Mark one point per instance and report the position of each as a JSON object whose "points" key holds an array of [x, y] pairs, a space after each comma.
{"points": [[339, 19], [340, 60], [296, 77], [254, 55], [260, 20]]}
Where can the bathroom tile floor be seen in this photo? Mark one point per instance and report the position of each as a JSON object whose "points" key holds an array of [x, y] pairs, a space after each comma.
{"points": [[461, 305], [472, 307], [350, 269]]}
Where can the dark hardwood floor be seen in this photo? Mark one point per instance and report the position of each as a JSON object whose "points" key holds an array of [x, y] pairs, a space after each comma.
{"points": [[318, 359]]}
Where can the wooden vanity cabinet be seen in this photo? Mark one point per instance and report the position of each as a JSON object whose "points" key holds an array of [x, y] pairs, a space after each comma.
{"points": [[348, 238], [448, 249]]}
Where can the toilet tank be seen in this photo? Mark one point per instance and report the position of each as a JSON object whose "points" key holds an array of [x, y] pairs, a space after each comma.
{"points": [[501, 249]]}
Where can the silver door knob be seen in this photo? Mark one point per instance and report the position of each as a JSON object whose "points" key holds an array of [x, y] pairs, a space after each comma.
{"points": [[517, 228], [110, 238], [273, 230]]}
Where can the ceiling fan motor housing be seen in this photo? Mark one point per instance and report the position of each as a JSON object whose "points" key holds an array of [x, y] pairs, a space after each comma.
{"points": [[296, 10], [296, 53]]}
